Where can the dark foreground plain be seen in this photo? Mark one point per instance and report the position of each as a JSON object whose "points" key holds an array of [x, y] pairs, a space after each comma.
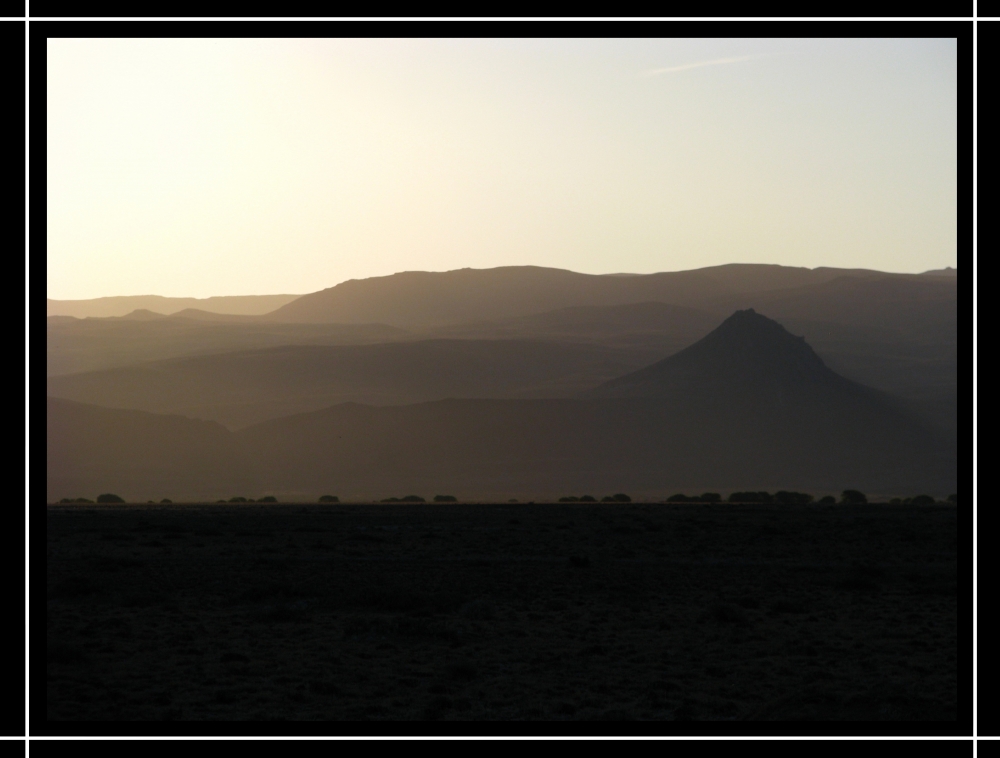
{"points": [[502, 612]]}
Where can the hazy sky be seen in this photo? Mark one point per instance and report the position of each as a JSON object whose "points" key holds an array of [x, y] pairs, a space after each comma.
{"points": [[225, 167]]}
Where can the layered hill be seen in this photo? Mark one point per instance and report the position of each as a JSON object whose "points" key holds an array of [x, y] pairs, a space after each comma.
{"points": [[140, 456], [245, 387], [419, 299], [120, 306], [749, 406], [92, 344]]}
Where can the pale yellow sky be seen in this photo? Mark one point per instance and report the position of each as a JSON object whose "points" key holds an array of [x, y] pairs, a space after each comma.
{"points": [[228, 167]]}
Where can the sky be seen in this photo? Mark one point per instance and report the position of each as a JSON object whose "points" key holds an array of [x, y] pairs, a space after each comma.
{"points": [[193, 167]]}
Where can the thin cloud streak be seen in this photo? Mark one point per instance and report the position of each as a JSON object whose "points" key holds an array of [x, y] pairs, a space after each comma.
{"points": [[716, 62]]}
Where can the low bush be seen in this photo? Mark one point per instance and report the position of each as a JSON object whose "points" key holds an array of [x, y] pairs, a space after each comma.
{"points": [[413, 499], [329, 499], [588, 499], [166, 501], [236, 500], [853, 497], [569, 499], [921, 500], [109, 498], [827, 500], [621, 497], [710, 497], [444, 499], [268, 499]]}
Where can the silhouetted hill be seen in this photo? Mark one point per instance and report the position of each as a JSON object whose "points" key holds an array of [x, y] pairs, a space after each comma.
{"points": [[141, 314], [633, 323], [140, 456], [242, 388], [749, 406], [77, 345], [416, 299], [121, 306], [648, 447], [748, 353]]}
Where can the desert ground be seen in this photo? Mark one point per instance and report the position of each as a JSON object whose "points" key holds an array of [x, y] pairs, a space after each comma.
{"points": [[545, 612]]}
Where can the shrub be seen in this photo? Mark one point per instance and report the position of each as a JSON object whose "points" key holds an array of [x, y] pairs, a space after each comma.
{"points": [[237, 500], [953, 499], [792, 498], [83, 500], [268, 499], [607, 499], [569, 499], [621, 497], [413, 499], [922, 500], [166, 501], [827, 500], [329, 499], [444, 499], [65, 500], [587, 499], [853, 497], [710, 497], [390, 500], [109, 498]]}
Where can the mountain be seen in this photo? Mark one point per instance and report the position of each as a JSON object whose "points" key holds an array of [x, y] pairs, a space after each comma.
{"points": [[141, 456], [749, 406], [421, 299], [634, 323], [92, 344], [245, 387], [121, 306], [748, 354]]}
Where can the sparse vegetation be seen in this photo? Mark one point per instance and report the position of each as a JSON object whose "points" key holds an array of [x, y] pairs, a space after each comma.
{"points": [[329, 499], [109, 498]]}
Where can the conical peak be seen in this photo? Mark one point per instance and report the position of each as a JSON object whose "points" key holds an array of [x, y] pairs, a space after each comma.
{"points": [[748, 334]]}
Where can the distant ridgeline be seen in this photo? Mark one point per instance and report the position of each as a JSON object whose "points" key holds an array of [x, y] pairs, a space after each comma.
{"points": [[747, 408]]}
